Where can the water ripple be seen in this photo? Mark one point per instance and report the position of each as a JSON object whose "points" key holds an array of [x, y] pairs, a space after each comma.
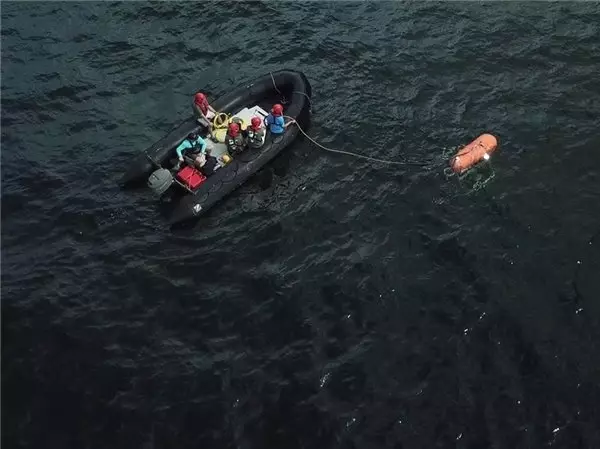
{"points": [[377, 306]]}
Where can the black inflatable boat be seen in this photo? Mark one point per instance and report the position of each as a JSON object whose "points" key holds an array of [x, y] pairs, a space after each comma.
{"points": [[191, 194]]}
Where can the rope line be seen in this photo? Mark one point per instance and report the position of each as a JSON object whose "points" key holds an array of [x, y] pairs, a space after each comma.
{"points": [[350, 153], [275, 85], [307, 97], [293, 92]]}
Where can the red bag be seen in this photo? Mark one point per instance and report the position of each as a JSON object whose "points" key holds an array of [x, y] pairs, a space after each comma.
{"points": [[190, 177]]}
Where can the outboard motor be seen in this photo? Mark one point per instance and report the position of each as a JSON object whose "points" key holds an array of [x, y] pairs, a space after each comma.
{"points": [[160, 181]]}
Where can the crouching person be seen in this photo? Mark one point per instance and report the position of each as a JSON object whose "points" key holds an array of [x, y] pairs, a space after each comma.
{"points": [[234, 139], [255, 133]]}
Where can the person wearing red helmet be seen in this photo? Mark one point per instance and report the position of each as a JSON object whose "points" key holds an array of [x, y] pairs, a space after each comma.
{"points": [[275, 121], [203, 111], [234, 139], [255, 133]]}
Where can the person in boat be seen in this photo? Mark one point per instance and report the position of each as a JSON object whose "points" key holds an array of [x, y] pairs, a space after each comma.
{"points": [[203, 111], [206, 163], [275, 121], [234, 139], [255, 133], [193, 145]]}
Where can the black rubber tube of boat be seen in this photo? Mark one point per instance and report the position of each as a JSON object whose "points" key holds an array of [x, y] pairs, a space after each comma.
{"points": [[292, 84]]}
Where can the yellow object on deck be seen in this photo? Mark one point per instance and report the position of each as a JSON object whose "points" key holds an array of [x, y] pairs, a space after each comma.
{"points": [[221, 123]]}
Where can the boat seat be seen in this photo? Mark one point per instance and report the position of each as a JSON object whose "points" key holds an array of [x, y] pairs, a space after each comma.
{"points": [[246, 114]]}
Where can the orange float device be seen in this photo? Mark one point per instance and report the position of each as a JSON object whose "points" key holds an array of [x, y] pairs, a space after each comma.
{"points": [[478, 150]]}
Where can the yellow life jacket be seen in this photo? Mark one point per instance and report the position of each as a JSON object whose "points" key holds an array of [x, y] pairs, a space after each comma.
{"points": [[221, 123]]}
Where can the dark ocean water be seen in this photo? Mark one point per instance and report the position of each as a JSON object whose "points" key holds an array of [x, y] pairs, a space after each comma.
{"points": [[330, 302]]}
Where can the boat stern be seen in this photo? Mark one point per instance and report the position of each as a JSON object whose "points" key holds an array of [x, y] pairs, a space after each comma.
{"points": [[189, 209]]}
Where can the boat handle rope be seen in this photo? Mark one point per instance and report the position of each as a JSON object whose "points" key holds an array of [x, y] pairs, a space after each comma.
{"points": [[284, 100]]}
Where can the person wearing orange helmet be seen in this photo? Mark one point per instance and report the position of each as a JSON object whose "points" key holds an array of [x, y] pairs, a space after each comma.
{"points": [[234, 139], [203, 111], [255, 133], [275, 121]]}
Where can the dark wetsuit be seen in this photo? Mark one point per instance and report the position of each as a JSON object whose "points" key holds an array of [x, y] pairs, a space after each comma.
{"points": [[234, 144], [209, 166], [255, 138]]}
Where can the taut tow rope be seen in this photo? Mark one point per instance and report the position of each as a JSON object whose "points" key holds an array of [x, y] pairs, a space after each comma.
{"points": [[350, 153], [331, 150]]}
